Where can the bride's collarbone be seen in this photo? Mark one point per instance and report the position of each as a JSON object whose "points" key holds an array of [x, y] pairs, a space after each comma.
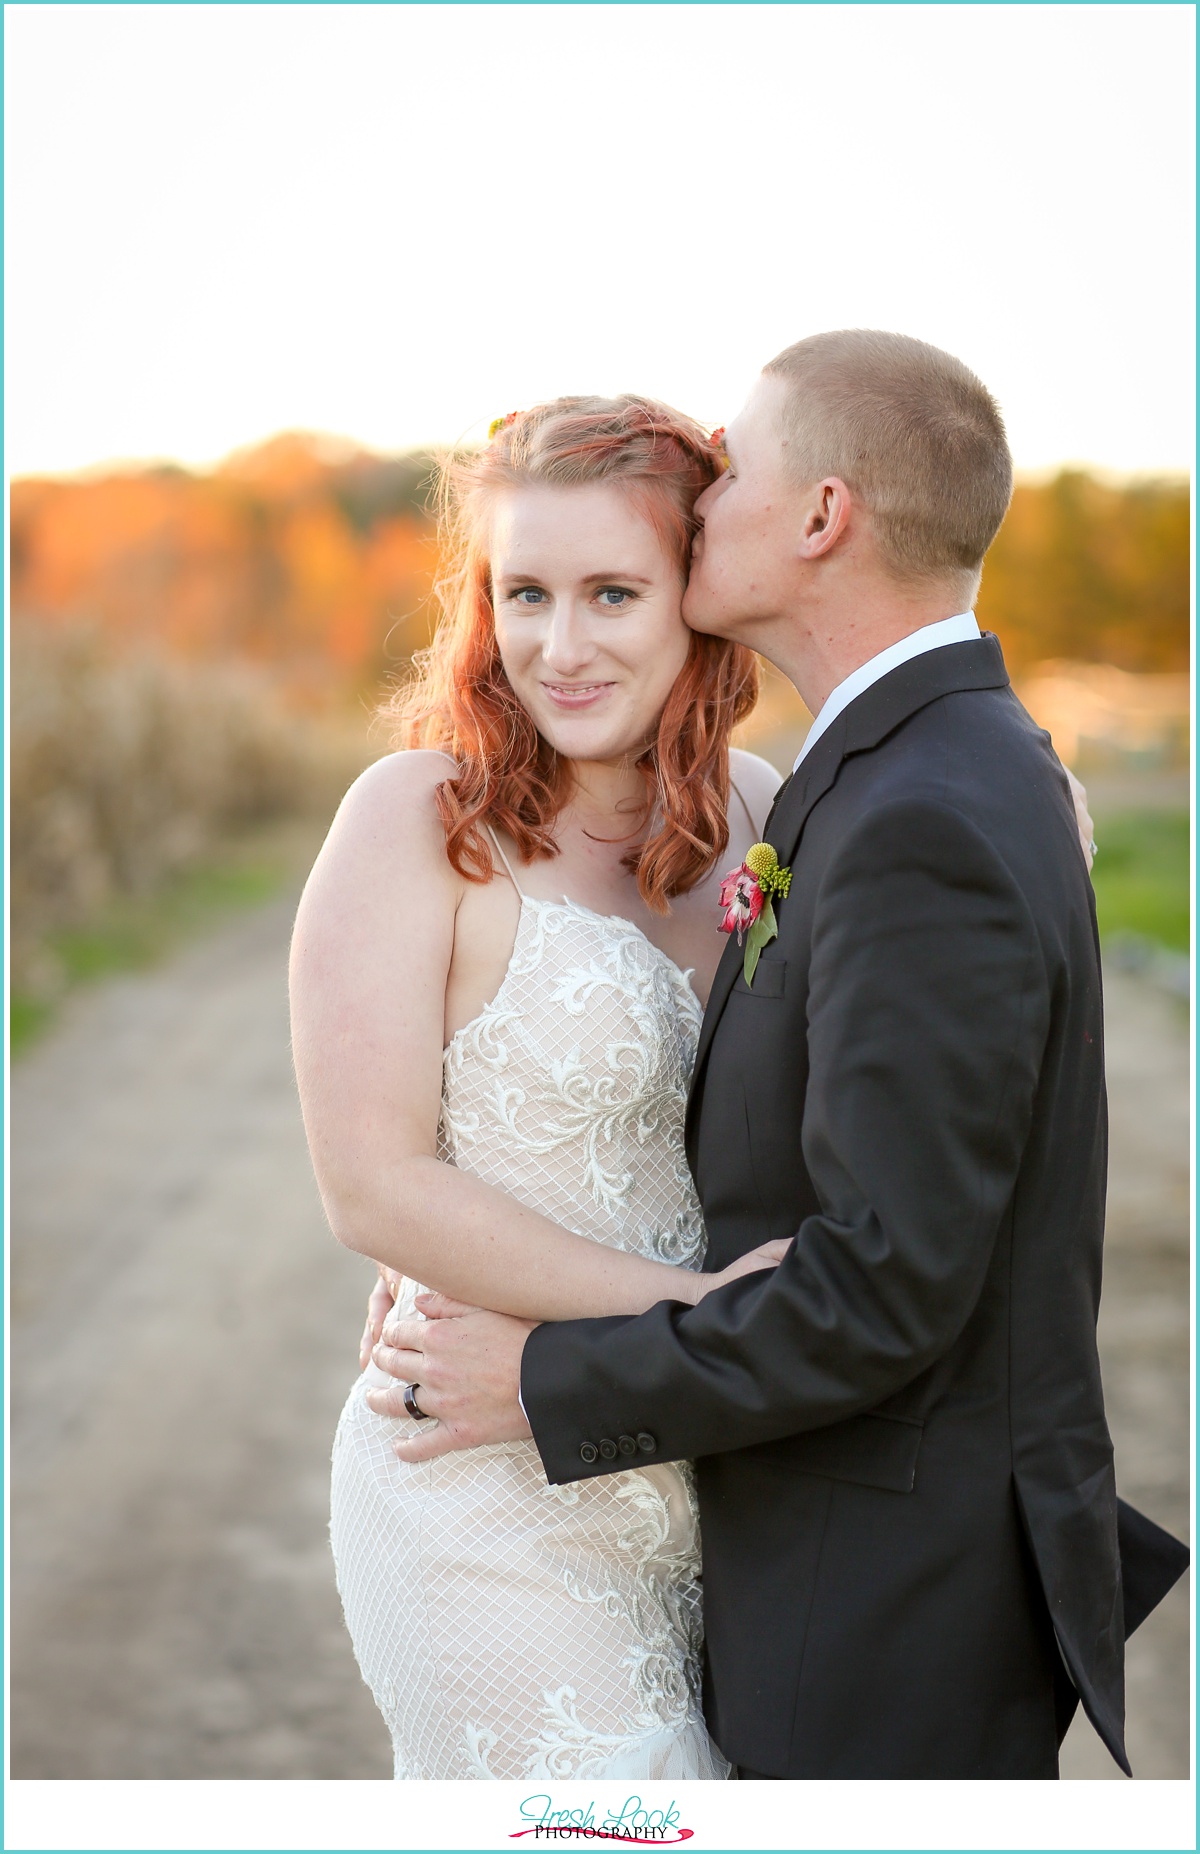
{"points": [[489, 918], [682, 934], [590, 875]]}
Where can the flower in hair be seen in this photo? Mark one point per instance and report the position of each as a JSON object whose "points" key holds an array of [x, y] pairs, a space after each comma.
{"points": [[498, 424], [746, 896], [717, 440]]}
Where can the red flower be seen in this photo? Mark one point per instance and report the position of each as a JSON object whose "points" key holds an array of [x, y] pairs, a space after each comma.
{"points": [[742, 900]]}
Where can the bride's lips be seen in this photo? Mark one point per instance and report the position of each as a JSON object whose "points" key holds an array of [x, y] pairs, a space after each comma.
{"points": [[576, 694]]}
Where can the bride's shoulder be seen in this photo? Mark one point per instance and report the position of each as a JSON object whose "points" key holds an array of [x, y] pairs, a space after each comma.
{"points": [[410, 776], [381, 871], [756, 780], [390, 809]]}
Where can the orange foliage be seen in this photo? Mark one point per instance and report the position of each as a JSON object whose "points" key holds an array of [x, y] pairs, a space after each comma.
{"points": [[1092, 571], [313, 559], [317, 560]]}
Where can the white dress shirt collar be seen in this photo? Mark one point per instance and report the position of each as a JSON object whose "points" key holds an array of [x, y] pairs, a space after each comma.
{"points": [[958, 630]]}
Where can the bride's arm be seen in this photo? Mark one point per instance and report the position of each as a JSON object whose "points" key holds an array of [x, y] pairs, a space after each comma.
{"points": [[370, 958]]}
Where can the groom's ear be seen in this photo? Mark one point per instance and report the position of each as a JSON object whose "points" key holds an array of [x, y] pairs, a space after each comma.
{"points": [[825, 515]]}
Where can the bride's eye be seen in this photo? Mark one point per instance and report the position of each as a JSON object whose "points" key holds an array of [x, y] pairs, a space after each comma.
{"points": [[527, 595], [614, 598]]}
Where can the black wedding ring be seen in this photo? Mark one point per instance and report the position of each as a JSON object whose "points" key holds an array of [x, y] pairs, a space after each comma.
{"points": [[411, 1404]]}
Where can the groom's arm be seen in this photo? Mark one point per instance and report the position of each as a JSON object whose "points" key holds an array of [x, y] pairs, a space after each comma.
{"points": [[927, 1017]]}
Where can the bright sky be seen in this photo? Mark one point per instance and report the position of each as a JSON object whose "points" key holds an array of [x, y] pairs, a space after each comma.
{"points": [[395, 222]]}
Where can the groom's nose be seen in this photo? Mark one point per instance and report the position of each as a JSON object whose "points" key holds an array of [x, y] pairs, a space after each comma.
{"points": [[705, 500]]}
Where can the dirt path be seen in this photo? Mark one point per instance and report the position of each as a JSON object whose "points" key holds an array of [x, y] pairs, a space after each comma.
{"points": [[184, 1331], [1144, 1319], [174, 1612]]}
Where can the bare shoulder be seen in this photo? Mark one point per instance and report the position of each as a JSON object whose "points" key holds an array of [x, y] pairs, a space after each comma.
{"points": [[395, 795], [387, 826], [757, 781], [407, 778]]}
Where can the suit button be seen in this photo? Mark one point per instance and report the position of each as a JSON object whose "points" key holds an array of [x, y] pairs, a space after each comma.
{"points": [[646, 1442], [608, 1449], [587, 1452], [627, 1445]]}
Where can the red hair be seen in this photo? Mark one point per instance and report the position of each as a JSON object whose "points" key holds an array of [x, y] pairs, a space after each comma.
{"points": [[460, 700]]}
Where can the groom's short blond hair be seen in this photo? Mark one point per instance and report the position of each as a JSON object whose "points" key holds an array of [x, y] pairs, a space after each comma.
{"points": [[912, 433]]}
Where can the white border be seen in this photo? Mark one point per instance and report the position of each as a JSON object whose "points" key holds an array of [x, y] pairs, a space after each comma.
{"points": [[842, 1815]]}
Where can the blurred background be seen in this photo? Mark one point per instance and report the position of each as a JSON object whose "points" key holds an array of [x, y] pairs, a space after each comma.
{"points": [[237, 235]]}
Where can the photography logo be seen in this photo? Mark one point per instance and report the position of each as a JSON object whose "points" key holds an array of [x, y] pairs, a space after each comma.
{"points": [[628, 1823]]}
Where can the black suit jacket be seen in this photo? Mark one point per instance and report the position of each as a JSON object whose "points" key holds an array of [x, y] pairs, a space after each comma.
{"points": [[904, 1471]]}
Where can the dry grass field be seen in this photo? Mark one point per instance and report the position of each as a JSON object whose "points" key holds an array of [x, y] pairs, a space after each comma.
{"points": [[148, 794]]}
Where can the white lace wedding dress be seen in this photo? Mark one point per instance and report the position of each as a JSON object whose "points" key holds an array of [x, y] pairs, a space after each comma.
{"points": [[507, 1628]]}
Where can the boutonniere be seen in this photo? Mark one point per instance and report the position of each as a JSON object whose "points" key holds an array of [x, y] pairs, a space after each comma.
{"points": [[746, 896]]}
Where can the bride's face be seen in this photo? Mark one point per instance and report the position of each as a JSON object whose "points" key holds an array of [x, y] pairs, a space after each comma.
{"points": [[587, 604]]}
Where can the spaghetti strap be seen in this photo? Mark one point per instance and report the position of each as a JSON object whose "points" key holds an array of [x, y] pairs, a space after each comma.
{"points": [[744, 805], [503, 858]]}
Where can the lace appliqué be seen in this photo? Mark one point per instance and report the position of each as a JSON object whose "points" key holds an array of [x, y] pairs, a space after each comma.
{"points": [[573, 1082]]}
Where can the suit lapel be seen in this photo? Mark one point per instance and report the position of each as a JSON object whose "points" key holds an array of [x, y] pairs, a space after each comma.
{"points": [[868, 720], [783, 827], [775, 804]]}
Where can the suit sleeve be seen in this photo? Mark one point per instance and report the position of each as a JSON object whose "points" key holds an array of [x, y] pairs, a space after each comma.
{"points": [[928, 1011]]}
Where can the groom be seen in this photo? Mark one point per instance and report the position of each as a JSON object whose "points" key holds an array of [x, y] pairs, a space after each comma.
{"points": [[912, 1560]]}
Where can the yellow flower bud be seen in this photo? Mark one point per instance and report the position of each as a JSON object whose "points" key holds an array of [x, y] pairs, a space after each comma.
{"points": [[761, 858]]}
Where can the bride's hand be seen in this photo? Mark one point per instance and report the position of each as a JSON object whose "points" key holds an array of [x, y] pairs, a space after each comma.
{"points": [[383, 1298], [767, 1255]]}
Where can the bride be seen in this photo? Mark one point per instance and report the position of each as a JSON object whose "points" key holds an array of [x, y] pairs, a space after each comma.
{"points": [[497, 976]]}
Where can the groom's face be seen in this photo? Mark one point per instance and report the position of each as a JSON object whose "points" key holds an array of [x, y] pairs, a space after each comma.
{"points": [[744, 558]]}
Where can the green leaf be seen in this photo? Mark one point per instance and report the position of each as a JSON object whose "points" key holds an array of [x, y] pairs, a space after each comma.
{"points": [[764, 930]]}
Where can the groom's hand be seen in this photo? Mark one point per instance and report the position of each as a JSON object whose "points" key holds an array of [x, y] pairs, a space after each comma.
{"points": [[467, 1364]]}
